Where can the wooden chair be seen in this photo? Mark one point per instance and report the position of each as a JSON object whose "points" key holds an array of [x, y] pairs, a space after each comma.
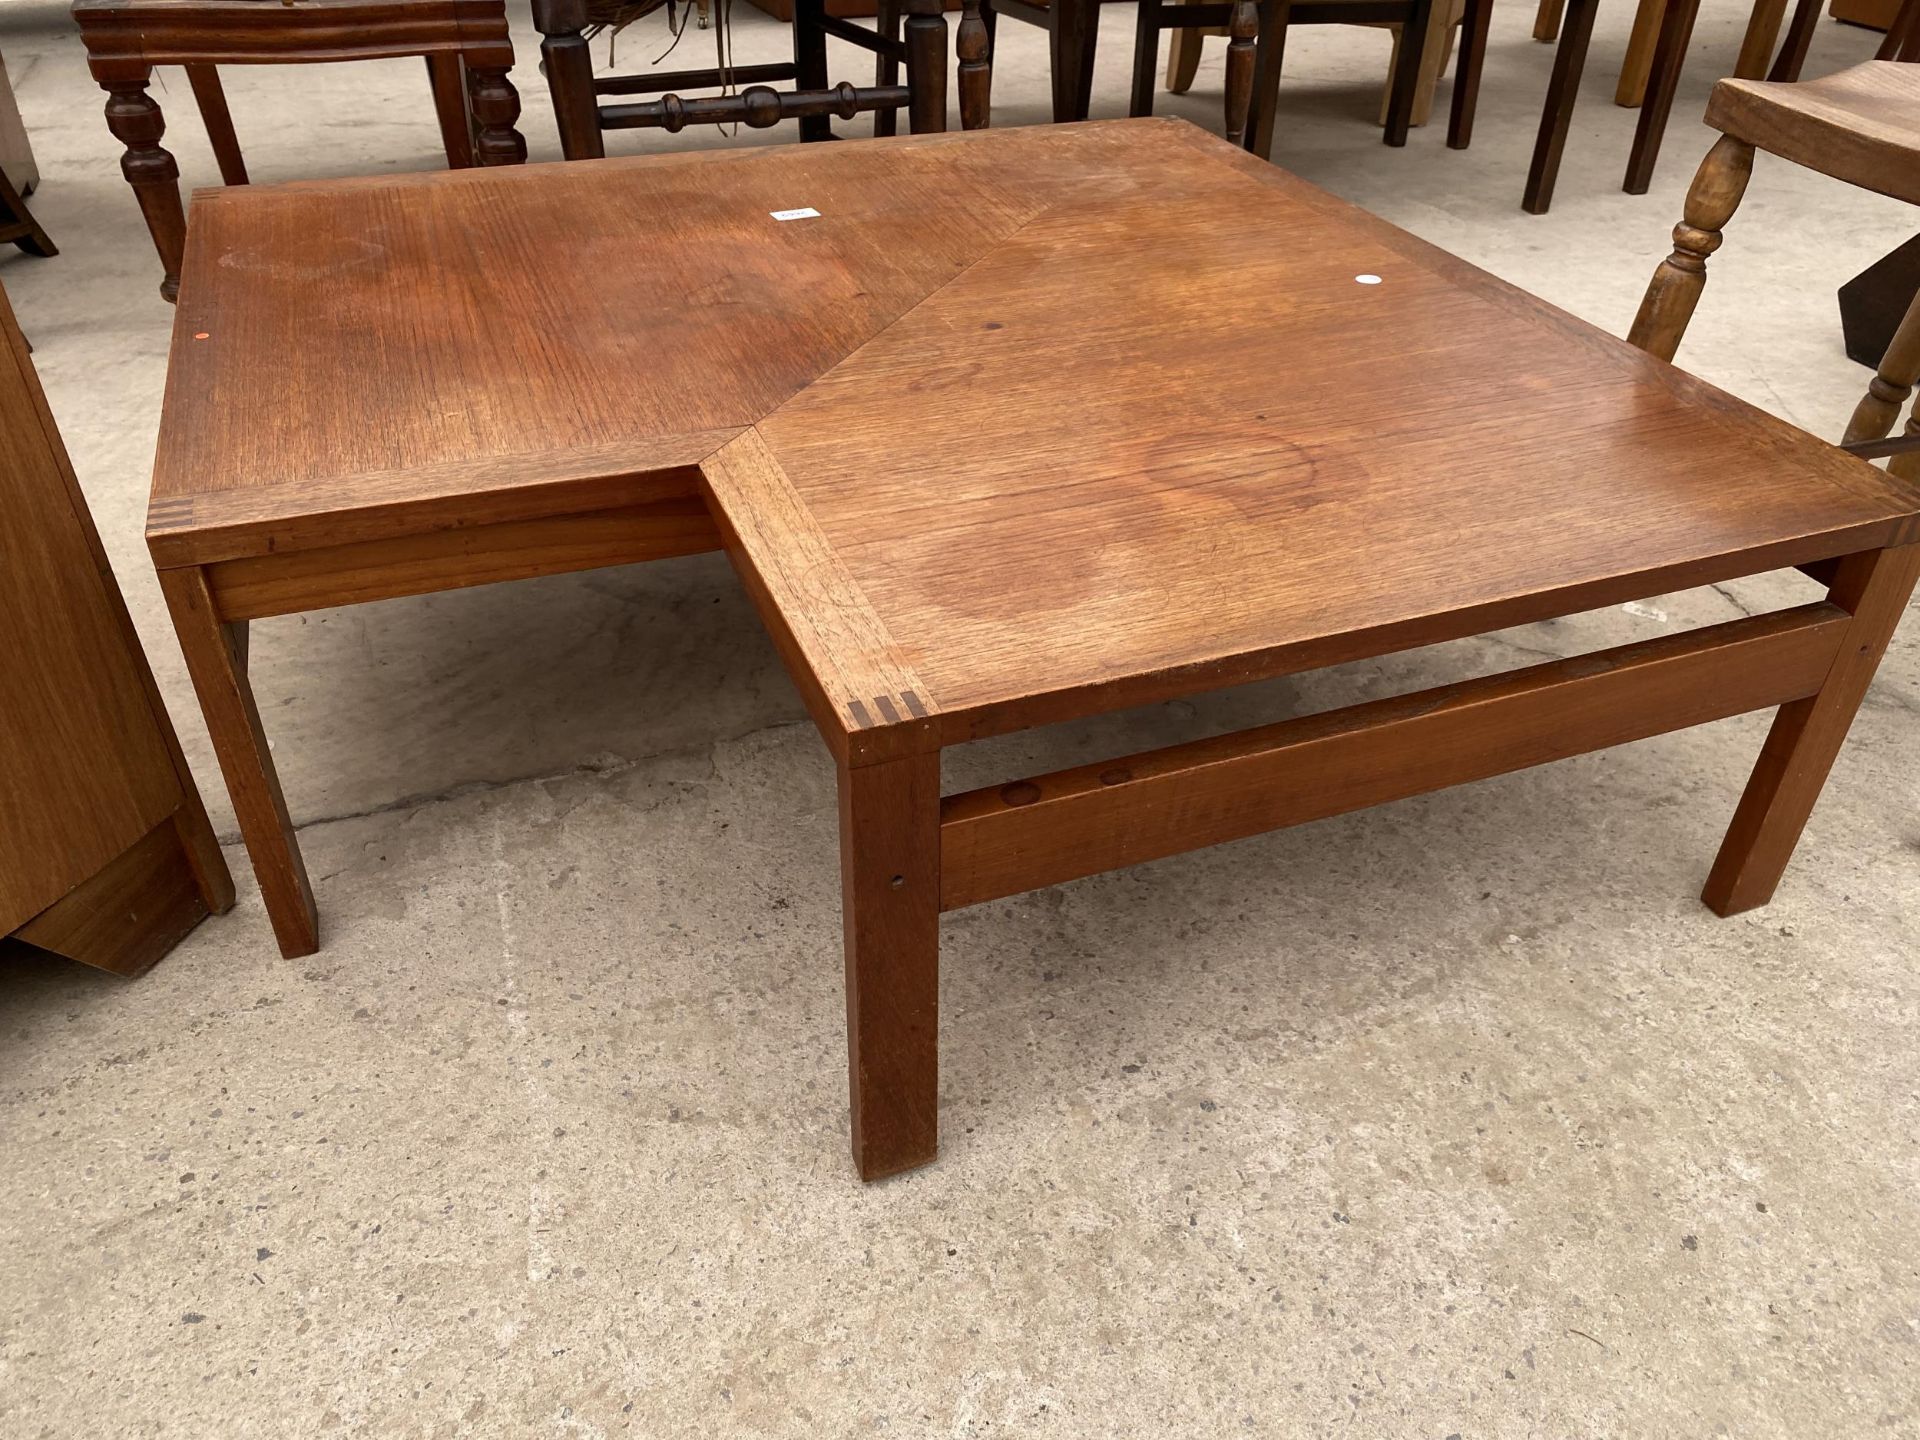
{"points": [[17, 223], [1468, 16], [1257, 32], [583, 120], [1861, 126], [465, 43]]}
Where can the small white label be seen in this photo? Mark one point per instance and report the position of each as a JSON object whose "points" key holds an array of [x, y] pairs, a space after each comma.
{"points": [[806, 213], [1367, 279]]}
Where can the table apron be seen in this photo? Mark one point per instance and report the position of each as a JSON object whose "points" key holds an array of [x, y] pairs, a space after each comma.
{"points": [[1006, 839], [256, 586]]}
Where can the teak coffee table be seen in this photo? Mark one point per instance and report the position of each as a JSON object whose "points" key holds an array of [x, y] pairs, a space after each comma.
{"points": [[1021, 427]]}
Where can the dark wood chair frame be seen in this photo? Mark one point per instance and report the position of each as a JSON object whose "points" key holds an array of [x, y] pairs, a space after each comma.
{"points": [[1073, 26], [465, 43], [18, 225], [1670, 53], [583, 120]]}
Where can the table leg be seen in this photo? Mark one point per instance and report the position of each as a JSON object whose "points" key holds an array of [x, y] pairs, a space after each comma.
{"points": [[136, 122], [1807, 734], [216, 657], [890, 912], [447, 77], [1556, 115], [211, 96], [1676, 34]]}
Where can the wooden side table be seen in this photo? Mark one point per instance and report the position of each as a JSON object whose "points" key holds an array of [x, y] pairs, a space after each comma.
{"points": [[462, 40]]}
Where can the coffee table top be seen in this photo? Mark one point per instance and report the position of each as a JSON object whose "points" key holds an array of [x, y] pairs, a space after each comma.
{"points": [[1025, 425]]}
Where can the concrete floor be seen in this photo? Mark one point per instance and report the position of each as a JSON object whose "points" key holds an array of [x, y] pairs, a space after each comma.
{"points": [[1455, 1118]]}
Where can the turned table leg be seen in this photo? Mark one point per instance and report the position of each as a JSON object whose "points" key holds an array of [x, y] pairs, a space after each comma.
{"points": [[215, 652], [1807, 734], [136, 122], [890, 912], [1676, 285]]}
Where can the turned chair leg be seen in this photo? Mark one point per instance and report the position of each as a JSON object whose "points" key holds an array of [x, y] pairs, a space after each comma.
{"points": [[1243, 29], [563, 54], [974, 49], [1269, 54], [215, 652], [926, 39], [1675, 288], [136, 122], [496, 105], [1887, 392]]}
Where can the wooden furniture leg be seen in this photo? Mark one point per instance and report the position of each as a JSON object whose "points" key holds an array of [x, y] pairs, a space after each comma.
{"points": [[136, 122], [810, 64], [215, 652], [1146, 57], [447, 77], [1269, 54], [211, 96], [890, 913], [1466, 74], [1676, 34], [1546, 20], [1763, 32], [1406, 74], [1638, 61], [886, 69], [1073, 38], [1556, 114], [1793, 52], [569, 66], [496, 105], [18, 225], [1874, 588], [1879, 409], [925, 29], [1243, 26], [974, 68], [1676, 285], [1183, 59]]}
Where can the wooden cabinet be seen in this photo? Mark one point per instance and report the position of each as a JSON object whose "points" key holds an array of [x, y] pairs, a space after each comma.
{"points": [[105, 850]]}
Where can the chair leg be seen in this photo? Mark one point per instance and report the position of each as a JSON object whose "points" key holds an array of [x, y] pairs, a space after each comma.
{"points": [[1438, 49], [1146, 57], [215, 652], [563, 54], [1243, 29], [1631, 92], [28, 234], [447, 77], [1556, 114], [1074, 36], [1416, 34], [1903, 36], [1807, 734], [810, 64], [1676, 285], [1892, 383], [1676, 34], [1546, 20], [886, 69], [926, 39], [211, 97], [974, 51], [1793, 51], [136, 122], [1466, 74], [1269, 53], [1183, 59], [496, 105], [1763, 33]]}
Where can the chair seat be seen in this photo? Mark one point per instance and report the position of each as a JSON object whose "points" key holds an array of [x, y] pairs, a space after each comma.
{"points": [[1861, 125]]}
